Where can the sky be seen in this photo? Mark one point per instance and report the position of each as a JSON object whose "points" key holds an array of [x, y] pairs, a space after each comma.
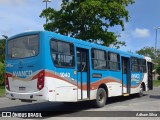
{"points": [[17, 16]]}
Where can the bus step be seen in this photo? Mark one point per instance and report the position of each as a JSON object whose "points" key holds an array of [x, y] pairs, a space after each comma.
{"points": [[126, 94]]}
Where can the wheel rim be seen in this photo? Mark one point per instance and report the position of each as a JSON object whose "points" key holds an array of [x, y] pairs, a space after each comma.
{"points": [[101, 97], [141, 91]]}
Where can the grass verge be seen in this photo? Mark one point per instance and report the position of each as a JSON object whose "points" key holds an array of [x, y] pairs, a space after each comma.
{"points": [[2, 91], [156, 83]]}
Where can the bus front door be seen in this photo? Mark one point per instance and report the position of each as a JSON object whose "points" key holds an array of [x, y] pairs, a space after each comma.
{"points": [[83, 73], [150, 81], [126, 78]]}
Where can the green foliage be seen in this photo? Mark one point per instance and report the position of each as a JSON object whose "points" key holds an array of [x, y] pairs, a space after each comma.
{"points": [[150, 52], [158, 77], [2, 91], [2, 60], [2, 73], [158, 70], [2, 50], [147, 51], [88, 19], [156, 83]]}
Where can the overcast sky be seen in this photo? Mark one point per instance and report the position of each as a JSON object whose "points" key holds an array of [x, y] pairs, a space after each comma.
{"points": [[18, 16]]}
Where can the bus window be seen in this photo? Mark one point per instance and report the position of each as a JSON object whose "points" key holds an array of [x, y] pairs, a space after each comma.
{"points": [[142, 65], [113, 61], [81, 61], [135, 64], [124, 66], [62, 53], [84, 61], [99, 60], [22, 47]]}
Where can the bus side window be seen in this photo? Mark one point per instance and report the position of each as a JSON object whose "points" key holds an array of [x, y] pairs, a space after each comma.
{"points": [[135, 64], [62, 53], [99, 60], [113, 61], [142, 65]]}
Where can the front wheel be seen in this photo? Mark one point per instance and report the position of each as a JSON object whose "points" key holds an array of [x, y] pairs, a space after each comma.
{"points": [[101, 98], [140, 94]]}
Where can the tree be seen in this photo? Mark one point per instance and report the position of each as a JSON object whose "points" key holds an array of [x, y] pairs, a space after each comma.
{"points": [[2, 59], [2, 49], [150, 52], [2, 74], [147, 51], [88, 19], [158, 70]]}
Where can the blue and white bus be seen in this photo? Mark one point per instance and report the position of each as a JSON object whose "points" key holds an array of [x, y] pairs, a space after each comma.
{"points": [[43, 65]]}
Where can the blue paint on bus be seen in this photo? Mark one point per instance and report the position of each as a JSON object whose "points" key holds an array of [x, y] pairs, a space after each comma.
{"points": [[44, 60], [44, 65]]}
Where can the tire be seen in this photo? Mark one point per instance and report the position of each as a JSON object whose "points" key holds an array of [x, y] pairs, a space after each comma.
{"points": [[101, 98], [140, 94]]}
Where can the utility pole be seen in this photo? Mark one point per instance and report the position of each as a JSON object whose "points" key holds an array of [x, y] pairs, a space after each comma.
{"points": [[155, 50], [46, 1]]}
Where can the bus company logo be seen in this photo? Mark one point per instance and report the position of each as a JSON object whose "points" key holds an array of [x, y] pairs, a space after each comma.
{"points": [[135, 77], [26, 73], [9, 65]]}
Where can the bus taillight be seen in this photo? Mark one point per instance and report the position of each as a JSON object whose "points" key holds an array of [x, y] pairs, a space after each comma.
{"points": [[40, 81], [7, 82]]}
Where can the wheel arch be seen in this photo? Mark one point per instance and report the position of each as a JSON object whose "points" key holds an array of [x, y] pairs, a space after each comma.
{"points": [[104, 86], [143, 85]]}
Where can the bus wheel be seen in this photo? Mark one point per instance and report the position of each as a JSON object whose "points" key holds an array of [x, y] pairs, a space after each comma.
{"points": [[140, 94], [101, 98]]}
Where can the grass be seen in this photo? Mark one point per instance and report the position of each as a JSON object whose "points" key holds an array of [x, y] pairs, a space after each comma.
{"points": [[2, 91], [156, 83]]}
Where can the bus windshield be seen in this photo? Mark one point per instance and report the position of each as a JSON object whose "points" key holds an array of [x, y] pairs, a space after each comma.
{"points": [[23, 47]]}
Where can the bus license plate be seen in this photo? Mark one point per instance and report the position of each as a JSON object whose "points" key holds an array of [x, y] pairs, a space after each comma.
{"points": [[22, 88]]}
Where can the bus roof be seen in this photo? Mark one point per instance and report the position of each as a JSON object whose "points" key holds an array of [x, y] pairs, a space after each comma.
{"points": [[78, 41]]}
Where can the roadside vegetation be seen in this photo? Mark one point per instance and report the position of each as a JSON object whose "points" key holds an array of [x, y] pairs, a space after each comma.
{"points": [[156, 83], [2, 64], [2, 91], [154, 55], [81, 18]]}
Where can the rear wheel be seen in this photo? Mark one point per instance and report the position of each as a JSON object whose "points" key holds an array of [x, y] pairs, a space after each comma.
{"points": [[101, 98]]}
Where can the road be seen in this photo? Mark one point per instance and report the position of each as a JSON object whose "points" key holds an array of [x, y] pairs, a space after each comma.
{"points": [[149, 102]]}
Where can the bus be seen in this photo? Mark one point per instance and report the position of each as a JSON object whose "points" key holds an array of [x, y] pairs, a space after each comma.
{"points": [[43, 65]]}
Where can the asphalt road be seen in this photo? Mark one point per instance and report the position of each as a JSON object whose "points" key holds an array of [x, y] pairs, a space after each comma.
{"points": [[149, 102]]}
